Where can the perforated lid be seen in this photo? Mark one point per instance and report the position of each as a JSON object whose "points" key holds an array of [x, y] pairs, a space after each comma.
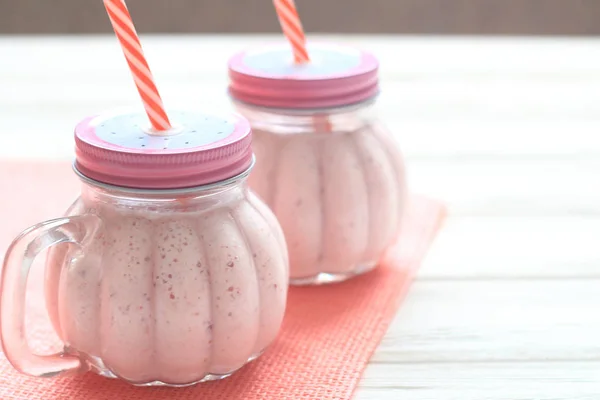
{"points": [[120, 149], [336, 76]]}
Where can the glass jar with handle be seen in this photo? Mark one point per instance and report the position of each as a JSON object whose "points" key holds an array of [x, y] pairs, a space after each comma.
{"points": [[167, 269]]}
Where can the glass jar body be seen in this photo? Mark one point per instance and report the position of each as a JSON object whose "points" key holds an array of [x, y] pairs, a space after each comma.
{"points": [[171, 288], [335, 179]]}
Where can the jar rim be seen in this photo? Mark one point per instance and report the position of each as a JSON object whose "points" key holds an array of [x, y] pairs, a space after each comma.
{"points": [[309, 111]]}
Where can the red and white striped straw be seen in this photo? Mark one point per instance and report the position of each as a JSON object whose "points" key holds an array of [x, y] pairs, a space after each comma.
{"points": [[132, 48], [292, 29]]}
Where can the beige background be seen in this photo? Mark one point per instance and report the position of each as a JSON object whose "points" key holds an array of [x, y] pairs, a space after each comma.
{"points": [[537, 17]]}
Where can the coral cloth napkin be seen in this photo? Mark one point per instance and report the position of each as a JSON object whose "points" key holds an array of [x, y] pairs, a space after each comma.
{"points": [[328, 335]]}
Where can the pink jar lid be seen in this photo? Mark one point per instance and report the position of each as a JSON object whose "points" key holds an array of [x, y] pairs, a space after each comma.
{"points": [[336, 76], [120, 149]]}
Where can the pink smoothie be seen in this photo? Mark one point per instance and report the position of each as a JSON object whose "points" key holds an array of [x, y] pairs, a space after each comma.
{"points": [[333, 177], [188, 293], [339, 197], [167, 270]]}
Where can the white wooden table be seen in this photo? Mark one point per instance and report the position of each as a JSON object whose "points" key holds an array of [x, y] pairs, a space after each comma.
{"points": [[506, 131]]}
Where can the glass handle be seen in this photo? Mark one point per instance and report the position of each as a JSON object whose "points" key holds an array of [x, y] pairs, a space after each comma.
{"points": [[78, 230]]}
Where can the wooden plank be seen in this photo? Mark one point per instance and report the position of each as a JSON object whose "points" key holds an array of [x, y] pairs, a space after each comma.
{"points": [[435, 57], [505, 248], [483, 321], [494, 137], [477, 381], [511, 187], [457, 101]]}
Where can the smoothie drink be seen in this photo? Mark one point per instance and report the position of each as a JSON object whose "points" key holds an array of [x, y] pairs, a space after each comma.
{"points": [[331, 173], [171, 286], [338, 196]]}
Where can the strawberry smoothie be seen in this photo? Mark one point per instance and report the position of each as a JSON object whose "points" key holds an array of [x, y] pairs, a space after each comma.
{"points": [[338, 196], [332, 175], [172, 296], [174, 272]]}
